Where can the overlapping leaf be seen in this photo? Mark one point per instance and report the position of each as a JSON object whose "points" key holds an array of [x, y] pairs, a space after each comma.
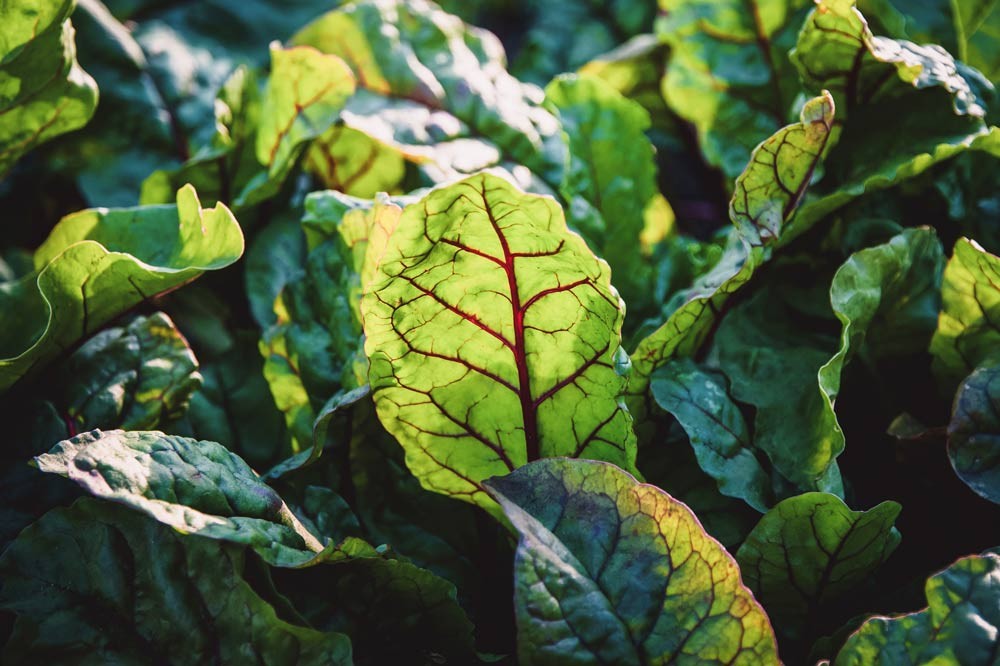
{"points": [[974, 432], [959, 625], [98, 263], [609, 570], [811, 549], [493, 335]]}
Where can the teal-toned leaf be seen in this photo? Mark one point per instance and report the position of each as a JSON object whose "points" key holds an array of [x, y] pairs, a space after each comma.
{"points": [[437, 91], [494, 339], [729, 72], [98, 263], [887, 300], [609, 570], [195, 487], [974, 432], [304, 96], [967, 333], [134, 378], [610, 182], [699, 399], [274, 259], [766, 196], [959, 625], [99, 584], [811, 550], [43, 90]]}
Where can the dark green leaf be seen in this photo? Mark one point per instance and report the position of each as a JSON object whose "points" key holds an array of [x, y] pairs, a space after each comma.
{"points": [[974, 432]]}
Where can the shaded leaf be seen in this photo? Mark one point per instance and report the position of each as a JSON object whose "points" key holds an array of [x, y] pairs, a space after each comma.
{"points": [[974, 432], [493, 335], [959, 626], [610, 570], [810, 550], [98, 263]]}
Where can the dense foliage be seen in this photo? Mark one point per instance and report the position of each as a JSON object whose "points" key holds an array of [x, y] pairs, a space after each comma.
{"points": [[359, 346]]}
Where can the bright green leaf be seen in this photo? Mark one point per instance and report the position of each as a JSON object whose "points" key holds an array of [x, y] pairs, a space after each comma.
{"points": [[609, 570], [494, 339]]}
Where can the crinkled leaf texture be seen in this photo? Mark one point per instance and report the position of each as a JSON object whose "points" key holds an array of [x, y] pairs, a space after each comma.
{"points": [[974, 432], [43, 90], [961, 624], [967, 334], [812, 549], [133, 377], [437, 91], [98, 263], [612, 571], [195, 487], [96, 583], [766, 196], [494, 338]]}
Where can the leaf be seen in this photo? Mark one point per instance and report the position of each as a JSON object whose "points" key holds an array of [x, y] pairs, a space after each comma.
{"points": [[886, 298], [699, 399], [609, 570], [974, 432], [43, 90], [350, 161], [96, 583], [98, 263], [959, 626], [837, 51], [274, 259], [134, 378], [728, 72], [767, 193], [195, 487], [967, 334], [436, 90], [610, 182], [493, 335], [810, 550], [304, 96]]}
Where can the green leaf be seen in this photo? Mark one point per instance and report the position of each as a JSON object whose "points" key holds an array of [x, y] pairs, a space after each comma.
{"points": [[729, 72], [609, 570], [967, 333], [43, 90], [811, 550], [979, 32], [438, 92], [610, 182], [98, 584], [766, 196], [135, 378], [959, 626], [974, 432], [98, 263], [886, 298], [195, 487], [350, 161], [304, 96], [699, 399], [494, 339], [838, 52], [274, 259]]}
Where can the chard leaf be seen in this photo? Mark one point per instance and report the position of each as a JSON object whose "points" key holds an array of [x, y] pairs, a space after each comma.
{"points": [[609, 570], [974, 432], [610, 182], [766, 196], [98, 263], [699, 399], [886, 298], [133, 378], [967, 335], [436, 90], [494, 339], [959, 625], [43, 90], [979, 30], [195, 487], [304, 96], [352, 162], [98, 584], [728, 72], [810, 550]]}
